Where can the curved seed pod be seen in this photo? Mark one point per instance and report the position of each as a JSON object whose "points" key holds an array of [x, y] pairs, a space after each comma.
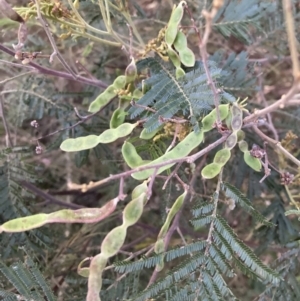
{"points": [[88, 142], [68, 216], [97, 266], [133, 210], [228, 120], [241, 135], [85, 271], [119, 82], [187, 57], [243, 145], [209, 120], [108, 94], [103, 99], [254, 163], [222, 156], [131, 72], [231, 141], [182, 149], [130, 155], [175, 208], [211, 170], [174, 21], [117, 118], [149, 135], [179, 72], [174, 57], [113, 241], [138, 190], [180, 42]]}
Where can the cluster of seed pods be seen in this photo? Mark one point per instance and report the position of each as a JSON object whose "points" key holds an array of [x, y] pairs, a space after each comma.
{"points": [[160, 243], [91, 141], [114, 241], [234, 120], [176, 41], [182, 149]]}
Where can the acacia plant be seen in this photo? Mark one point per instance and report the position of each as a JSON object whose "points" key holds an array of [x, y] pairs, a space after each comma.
{"points": [[162, 140]]}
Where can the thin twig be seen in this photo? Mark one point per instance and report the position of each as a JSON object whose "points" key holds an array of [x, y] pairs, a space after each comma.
{"points": [[291, 31], [53, 44], [55, 73], [189, 159]]}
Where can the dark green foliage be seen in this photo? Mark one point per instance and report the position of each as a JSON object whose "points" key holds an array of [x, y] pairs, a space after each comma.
{"points": [[28, 281], [189, 96]]}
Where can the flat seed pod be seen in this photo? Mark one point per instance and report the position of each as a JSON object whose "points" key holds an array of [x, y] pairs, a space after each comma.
{"points": [[243, 145], [113, 241], [187, 57], [211, 170], [222, 156], [133, 210], [231, 141]]}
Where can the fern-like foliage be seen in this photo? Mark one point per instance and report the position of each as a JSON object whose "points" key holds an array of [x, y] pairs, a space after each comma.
{"points": [[288, 288], [236, 18], [15, 199], [27, 280], [205, 264], [167, 96]]}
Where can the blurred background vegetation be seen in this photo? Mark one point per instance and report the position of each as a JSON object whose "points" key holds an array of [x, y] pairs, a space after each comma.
{"points": [[248, 41]]}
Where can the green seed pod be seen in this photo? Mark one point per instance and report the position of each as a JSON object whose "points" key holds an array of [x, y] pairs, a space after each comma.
{"points": [[133, 210], [24, 223], [159, 246], [80, 143], [119, 82], [254, 163], [241, 135], [96, 268], [173, 24], [130, 155], [175, 208], [145, 135], [182, 149], [131, 72], [113, 241], [112, 135], [231, 141], [243, 145], [180, 42], [222, 156], [88, 142], [117, 118], [211, 170], [103, 99], [187, 57], [138, 190], [174, 57], [179, 72], [209, 120]]}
